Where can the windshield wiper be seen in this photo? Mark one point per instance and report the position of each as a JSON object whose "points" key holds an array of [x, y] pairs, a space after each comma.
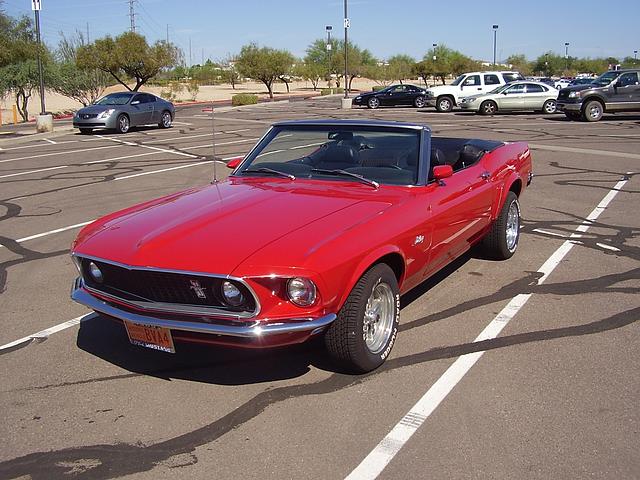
{"points": [[360, 178], [269, 170]]}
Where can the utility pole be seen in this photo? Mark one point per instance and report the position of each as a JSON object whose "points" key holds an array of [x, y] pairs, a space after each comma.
{"points": [[347, 24], [167, 33], [132, 15], [495, 32], [35, 5], [190, 61], [88, 33]]}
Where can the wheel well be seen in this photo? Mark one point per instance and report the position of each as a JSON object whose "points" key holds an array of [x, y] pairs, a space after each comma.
{"points": [[516, 187], [597, 99], [395, 262], [447, 95]]}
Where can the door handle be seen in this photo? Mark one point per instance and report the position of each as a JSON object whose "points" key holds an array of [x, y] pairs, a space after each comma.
{"points": [[479, 88], [485, 175]]}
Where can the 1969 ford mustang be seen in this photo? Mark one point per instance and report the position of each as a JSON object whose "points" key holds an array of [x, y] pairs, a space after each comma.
{"points": [[317, 231]]}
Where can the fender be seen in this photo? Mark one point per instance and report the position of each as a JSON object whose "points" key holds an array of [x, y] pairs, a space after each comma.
{"points": [[367, 262]]}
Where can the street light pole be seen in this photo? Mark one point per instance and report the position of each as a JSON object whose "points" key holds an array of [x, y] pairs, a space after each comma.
{"points": [[435, 45], [566, 53], [346, 27], [635, 54], [36, 8], [495, 33]]}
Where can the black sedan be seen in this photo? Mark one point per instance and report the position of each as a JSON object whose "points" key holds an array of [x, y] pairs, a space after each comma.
{"points": [[392, 96]]}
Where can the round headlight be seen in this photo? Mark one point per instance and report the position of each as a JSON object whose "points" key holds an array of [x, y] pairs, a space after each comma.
{"points": [[232, 294], [301, 291], [95, 272]]}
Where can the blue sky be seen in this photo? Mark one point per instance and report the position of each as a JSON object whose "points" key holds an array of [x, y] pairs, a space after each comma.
{"points": [[386, 27]]}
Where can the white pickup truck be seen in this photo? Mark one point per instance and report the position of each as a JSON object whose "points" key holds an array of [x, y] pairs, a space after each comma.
{"points": [[445, 97]]}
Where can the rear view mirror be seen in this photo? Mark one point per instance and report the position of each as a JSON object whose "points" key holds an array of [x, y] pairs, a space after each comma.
{"points": [[234, 162]]}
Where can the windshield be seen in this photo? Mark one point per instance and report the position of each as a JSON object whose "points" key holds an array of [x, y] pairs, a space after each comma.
{"points": [[458, 80], [500, 88], [606, 78], [384, 155], [114, 99]]}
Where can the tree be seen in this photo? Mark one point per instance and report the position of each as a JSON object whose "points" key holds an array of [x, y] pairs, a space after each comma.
{"points": [[326, 60], [424, 70], [128, 55], [520, 64], [289, 59], [447, 61], [313, 72], [400, 67], [229, 72], [83, 85], [18, 61], [358, 61], [263, 64]]}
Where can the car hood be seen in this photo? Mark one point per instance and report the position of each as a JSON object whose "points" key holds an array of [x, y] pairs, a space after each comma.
{"points": [[215, 228], [578, 88], [93, 109]]}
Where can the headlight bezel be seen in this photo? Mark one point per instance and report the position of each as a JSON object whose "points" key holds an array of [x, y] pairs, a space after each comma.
{"points": [[302, 291], [236, 300]]}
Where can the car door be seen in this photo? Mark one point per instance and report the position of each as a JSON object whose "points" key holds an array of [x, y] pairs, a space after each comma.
{"points": [[534, 96], [512, 98], [140, 110], [397, 95], [155, 108], [624, 90], [471, 86]]}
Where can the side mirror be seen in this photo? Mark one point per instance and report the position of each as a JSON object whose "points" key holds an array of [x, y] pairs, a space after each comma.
{"points": [[135, 102], [234, 162], [440, 172]]}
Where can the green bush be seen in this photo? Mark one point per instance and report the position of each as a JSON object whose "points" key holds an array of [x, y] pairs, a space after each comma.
{"points": [[327, 91], [244, 99], [375, 88]]}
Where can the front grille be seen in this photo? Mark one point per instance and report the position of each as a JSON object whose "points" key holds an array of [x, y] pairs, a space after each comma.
{"points": [[148, 287], [563, 95], [86, 116]]}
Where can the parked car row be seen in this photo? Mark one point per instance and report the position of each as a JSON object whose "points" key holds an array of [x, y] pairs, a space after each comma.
{"points": [[490, 92]]}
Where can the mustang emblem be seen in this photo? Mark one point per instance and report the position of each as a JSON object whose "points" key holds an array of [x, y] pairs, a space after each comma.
{"points": [[197, 288], [419, 239]]}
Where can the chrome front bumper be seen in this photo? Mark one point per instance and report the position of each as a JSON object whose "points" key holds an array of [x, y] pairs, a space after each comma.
{"points": [[249, 329]]}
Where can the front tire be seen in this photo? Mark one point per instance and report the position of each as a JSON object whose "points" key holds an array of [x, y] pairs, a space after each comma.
{"points": [[444, 104], [502, 240], [165, 120], [419, 102], [373, 103], [122, 123], [593, 111], [549, 106], [362, 336], [488, 108]]}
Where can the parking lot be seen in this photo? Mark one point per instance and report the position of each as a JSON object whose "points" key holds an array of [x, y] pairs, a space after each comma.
{"points": [[553, 395]]}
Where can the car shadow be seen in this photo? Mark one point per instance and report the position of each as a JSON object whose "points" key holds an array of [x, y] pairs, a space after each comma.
{"points": [[107, 339], [620, 117]]}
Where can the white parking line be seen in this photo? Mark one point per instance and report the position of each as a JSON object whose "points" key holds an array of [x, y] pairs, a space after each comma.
{"points": [[164, 170], [68, 152], [36, 145], [122, 158], [51, 232], [34, 171], [47, 332], [387, 449], [246, 140], [587, 151], [165, 150]]}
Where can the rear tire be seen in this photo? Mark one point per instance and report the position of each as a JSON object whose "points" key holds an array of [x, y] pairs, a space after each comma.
{"points": [[362, 336], [488, 107], [549, 106], [444, 104], [592, 111], [419, 102], [502, 240]]}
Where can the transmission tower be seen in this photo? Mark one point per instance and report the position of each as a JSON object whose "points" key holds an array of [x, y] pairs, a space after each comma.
{"points": [[132, 15]]}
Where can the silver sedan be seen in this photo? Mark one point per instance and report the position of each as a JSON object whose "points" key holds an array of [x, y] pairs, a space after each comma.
{"points": [[123, 110], [513, 96]]}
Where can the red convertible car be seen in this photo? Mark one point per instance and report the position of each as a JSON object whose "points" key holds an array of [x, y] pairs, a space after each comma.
{"points": [[317, 231]]}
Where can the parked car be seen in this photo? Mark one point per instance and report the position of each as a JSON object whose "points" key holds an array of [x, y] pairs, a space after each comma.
{"points": [[123, 110], [317, 231], [613, 91], [561, 83], [513, 96], [446, 97], [393, 95], [581, 81]]}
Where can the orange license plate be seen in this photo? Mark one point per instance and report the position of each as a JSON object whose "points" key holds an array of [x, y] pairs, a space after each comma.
{"points": [[150, 336]]}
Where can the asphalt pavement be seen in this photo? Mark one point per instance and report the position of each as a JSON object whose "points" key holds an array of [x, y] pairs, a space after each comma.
{"points": [[554, 394]]}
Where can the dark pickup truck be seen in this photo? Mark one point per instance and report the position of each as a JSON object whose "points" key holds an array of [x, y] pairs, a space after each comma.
{"points": [[613, 91]]}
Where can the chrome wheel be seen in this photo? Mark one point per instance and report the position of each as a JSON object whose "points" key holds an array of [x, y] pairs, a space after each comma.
{"points": [[166, 120], [444, 104], [593, 111], [549, 106], [419, 102], [513, 226], [123, 124], [373, 102], [488, 108], [379, 317]]}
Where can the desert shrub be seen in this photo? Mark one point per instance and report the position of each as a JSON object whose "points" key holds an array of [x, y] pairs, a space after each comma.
{"points": [[375, 88], [327, 91], [193, 88], [244, 99], [172, 91]]}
